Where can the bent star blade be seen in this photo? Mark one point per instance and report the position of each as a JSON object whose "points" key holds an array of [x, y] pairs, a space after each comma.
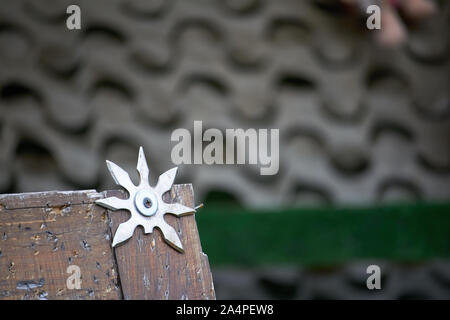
{"points": [[171, 236], [142, 168], [124, 232], [178, 209], [120, 176], [113, 203], [165, 180]]}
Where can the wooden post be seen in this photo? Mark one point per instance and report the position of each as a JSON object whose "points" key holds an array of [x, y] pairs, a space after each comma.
{"points": [[42, 234], [150, 269]]}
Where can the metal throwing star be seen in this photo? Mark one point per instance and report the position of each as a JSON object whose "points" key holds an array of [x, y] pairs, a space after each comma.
{"points": [[145, 203]]}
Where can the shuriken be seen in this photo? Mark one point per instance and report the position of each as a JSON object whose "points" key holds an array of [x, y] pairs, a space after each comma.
{"points": [[145, 203]]}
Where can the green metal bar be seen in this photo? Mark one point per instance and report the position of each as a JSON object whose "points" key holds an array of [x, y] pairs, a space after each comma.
{"points": [[324, 236]]}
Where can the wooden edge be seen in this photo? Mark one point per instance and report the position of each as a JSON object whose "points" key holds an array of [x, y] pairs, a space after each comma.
{"points": [[47, 199], [151, 269]]}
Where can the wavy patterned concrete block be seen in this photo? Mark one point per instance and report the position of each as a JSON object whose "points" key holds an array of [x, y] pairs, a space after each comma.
{"points": [[398, 281], [358, 123]]}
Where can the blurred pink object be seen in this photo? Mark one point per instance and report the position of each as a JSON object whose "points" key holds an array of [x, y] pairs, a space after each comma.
{"points": [[393, 31]]}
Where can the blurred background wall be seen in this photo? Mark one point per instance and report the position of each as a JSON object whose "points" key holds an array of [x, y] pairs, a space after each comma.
{"points": [[360, 124]]}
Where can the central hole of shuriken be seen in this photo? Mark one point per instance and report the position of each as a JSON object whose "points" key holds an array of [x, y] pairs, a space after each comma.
{"points": [[147, 202]]}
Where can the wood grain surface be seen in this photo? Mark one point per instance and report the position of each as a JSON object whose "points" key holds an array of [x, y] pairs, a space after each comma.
{"points": [[151, 269], [42, 234]]}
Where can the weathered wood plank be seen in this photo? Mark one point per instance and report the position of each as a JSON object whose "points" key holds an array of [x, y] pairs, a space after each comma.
{"points": [[150, 269], [48, 199], [42, 234]]}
